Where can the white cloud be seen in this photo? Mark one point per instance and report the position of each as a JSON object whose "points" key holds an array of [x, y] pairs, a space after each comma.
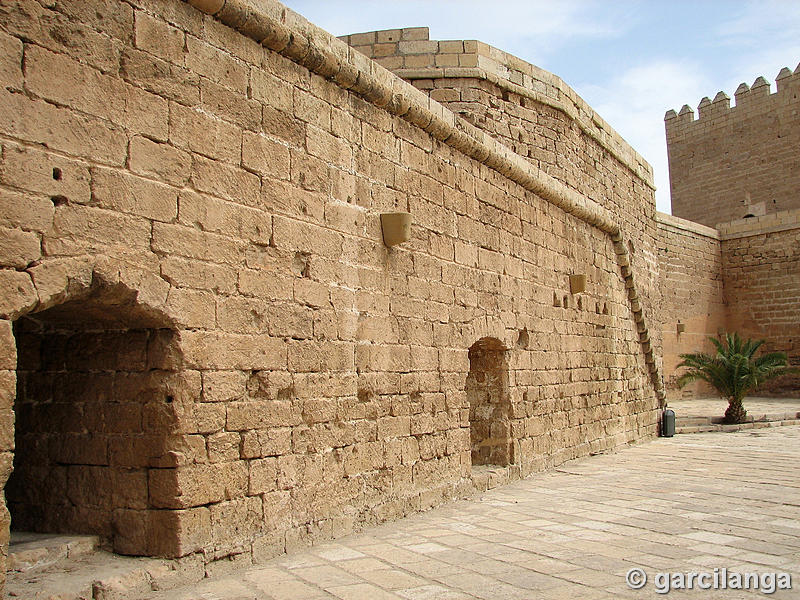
{"points": [[536, 28], [634, 103], [762, 37]]}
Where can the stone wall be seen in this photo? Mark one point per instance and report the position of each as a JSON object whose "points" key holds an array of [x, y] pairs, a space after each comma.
{"points": [[761, 266], [538, 116], [742, 277], [165, 176], [692, 300], [735, 161]]}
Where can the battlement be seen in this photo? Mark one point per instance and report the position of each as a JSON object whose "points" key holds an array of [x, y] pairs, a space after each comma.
{"points": [[756, 97], [412, 55], [737, 161]]}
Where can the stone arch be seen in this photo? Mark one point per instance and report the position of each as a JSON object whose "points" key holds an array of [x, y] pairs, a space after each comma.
{"points": [[96, 387], [489, 400]]}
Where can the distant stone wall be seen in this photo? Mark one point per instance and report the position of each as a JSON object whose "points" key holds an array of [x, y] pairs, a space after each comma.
{"points": [[736, 161], [743, 277], [761, 266], [166, 178], [692, 304]]}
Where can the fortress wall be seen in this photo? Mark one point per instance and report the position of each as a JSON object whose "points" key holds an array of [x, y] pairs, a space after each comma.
{"points": [[761, 266], [742, 277], [734, 161], [162, 171], [691, 281], [537, 115]]}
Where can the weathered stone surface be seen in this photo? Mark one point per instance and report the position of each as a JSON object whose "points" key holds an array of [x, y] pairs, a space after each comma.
{"points": [[19, 295], [733, 162], [221, 332]]}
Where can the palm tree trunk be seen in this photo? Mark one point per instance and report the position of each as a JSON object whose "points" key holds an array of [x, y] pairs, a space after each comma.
{"points": [[735, 412]]}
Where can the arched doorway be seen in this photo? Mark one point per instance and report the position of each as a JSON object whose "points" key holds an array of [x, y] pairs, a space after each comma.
{"points": [[95, 415], [489, 404]]}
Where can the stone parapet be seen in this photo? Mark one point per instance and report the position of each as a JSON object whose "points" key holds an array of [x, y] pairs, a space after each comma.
{"points": [[410, 54], [735, 161], [772, 223]]}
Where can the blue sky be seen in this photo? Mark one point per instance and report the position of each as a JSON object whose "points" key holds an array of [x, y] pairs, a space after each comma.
{"points": [[631, 60]]}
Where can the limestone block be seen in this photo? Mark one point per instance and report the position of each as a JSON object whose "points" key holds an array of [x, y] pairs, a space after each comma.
{"points": [[230, 106], [226, 181], [321, 356], [271, 91], [45, 173], [62, 129], [221, 386], [191, 308], [19, 296], [157, 37], [81, 229], [8, 387], [265, 156], [198, 274], [223, 446], [25, 211], [10, 61], [235, 521], [196, 485], [215, 64], [300, 236], [19, 248], [275, 441], [188, 242], [171, 81], [57, 280], [89, 91], [266, 547], [263, 476], [126, 193], [260, 415], [159, 161], [201, 133], [208, 418]]}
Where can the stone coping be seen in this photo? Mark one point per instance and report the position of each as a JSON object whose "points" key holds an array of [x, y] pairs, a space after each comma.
{"points": [[770, 223], [665, 221], [784, 220], [280, 29]]}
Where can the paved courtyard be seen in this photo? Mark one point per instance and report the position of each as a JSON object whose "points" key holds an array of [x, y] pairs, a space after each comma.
{"points": [[757, 407], [691, 503]]}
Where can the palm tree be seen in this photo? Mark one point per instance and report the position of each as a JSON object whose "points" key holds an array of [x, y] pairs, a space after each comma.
{"points": [[733, 371]]}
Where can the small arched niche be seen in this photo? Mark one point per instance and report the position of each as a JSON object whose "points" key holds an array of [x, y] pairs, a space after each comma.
{"points": [[489, 404]]}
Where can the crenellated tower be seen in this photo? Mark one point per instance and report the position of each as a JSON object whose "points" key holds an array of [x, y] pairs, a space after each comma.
{"points": [[737, 161]]}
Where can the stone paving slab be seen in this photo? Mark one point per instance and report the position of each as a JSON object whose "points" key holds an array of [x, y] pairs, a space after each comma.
{"points": [[756, 407], [687, 504], [698, 415]]}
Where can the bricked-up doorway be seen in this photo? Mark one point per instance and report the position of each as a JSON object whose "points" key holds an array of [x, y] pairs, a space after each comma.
{"points": [[489, 404], [94, 413]]}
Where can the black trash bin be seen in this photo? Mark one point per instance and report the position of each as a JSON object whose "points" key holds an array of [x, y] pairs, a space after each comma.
{"points": [[668, 423]]}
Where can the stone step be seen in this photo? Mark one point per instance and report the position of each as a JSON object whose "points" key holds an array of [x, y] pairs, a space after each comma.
{"points": [[694, 421], [27, 551], [739, 427], [62, 567]]}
